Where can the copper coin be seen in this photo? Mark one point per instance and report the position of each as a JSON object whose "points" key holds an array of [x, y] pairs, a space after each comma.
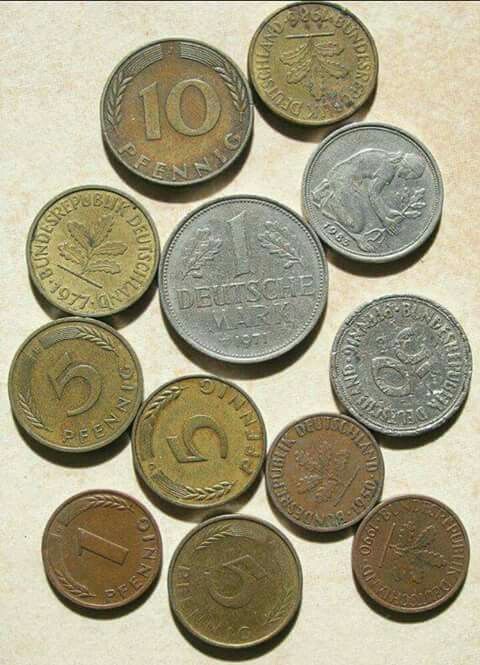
{"points": [[101, 549], [324, 472], [177, 112], [411, 553]]}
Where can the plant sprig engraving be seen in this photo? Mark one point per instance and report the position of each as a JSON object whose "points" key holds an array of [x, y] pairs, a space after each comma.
{"points": [[202, 250], [411, 204], [90, 334], [414, 552], [73, 587], [277, 240], [162, 400], [28, 405], [324, 467], [113, 102], [89, 248], [108, 501], [217, 533], [235, 87], [207, 494], [278, 611]]}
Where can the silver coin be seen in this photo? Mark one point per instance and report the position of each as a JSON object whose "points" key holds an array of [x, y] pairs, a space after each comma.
{"points": [[373, 192], [401, 365], [243, 279]]}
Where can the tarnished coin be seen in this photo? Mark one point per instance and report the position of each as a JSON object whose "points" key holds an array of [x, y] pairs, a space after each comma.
{"points": [[401, 364], [177, 112], [92, 251], [313, 63], [373, 192], [75, 384], [101, 549], [235, 581], [243, 279], [411, 553], [324, 472], [199, 441]]}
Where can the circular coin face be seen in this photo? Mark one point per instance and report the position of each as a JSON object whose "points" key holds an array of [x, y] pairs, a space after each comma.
{"points": [[101, 549], [324, 472], [177, 112], [243, 279], [235, 581], [372, 192], [92, 251], [75, 384], [401, 364], [313, 63], [199, 441], [411, 553]]}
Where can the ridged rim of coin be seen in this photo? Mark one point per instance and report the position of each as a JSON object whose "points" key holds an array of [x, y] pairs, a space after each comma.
{"points": [[173, 605], [355, 557], [177, 326], [208, 177], [47, 566], [360, 416], [122, 340], [169, 499], [354, 127], [372, 502], [314, 123], [33, 228]]}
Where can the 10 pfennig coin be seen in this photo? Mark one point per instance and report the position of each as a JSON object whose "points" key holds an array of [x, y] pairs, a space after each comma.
{"points": [[243, 279], [401, 365], [235, 581], [372, 192]]}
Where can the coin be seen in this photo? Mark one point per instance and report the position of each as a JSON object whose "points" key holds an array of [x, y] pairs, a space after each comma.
{"points": [[75, 384], [92, 251], [411, 553], [199, 441], [372, 192], [101, 549], [313, 63], [235, 581], [243, 279], [176, 112], [324, 472], [401, 365]]}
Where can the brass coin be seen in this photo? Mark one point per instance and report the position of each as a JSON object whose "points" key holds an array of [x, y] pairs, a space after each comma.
{"points": [[176, 112], [101, 549], [324, 472], [313, 63], [92, 251], [75, 384], [199, 441], [411, 553], [235, 581]]}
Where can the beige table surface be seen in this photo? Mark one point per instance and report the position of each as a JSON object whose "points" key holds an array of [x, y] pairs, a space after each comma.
{"points": [[55, 58]]}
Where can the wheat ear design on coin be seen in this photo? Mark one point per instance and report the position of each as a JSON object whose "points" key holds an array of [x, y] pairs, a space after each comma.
{"points": [[162, 399], [73, 587], [235, 87], [219, 533], [108, 501], [113, 105], [279, 610], [90, 334], [28, 405], [206, 494]]}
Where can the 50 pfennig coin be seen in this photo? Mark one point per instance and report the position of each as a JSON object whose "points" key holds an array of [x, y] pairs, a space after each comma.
{"points": [[92, 251], [235, 581], [75, 384], [199, 441]]}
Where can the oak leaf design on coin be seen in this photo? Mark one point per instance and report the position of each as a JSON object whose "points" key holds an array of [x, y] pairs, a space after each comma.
{"points": [[278, 241], [203, 249], [323, 465], [414, 552]]}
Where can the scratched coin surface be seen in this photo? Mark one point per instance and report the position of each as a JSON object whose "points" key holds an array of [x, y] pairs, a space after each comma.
{"points": [[401, 365], [411, 553], [243, 279], [324, 472], [235, 581], [92, 251], [75, 384], [177, 112], [372, 192], [313, 63], [101, 549], [199, 441]]}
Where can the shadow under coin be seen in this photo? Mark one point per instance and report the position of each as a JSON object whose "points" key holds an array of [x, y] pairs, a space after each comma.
{"points": [[71, 459], [179, 194], [50, 310], [243, 371], [125, 317]]}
